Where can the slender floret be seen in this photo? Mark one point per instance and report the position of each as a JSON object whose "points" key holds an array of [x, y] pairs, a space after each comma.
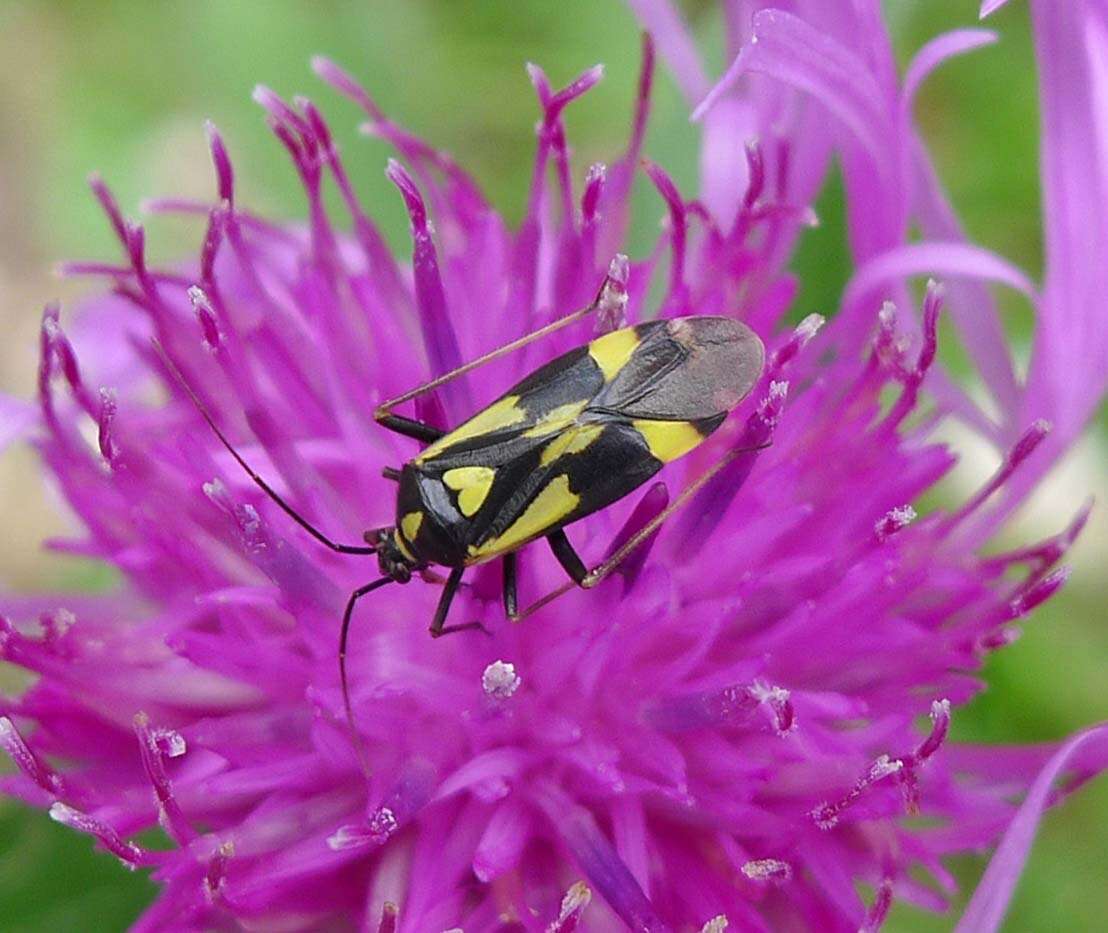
{"points": [[735, 730]]}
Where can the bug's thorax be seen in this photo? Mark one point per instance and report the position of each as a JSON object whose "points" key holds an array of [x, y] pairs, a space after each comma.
{"points": [[430, 527]]}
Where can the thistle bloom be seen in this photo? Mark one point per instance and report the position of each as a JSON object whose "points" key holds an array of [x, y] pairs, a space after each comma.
{"points": [[732, 729]]}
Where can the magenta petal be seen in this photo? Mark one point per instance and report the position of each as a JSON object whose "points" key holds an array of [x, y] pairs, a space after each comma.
{"points": [[990, 6], [600, 862], [792, 51], [438, 332], [733, 731], [989, 903], [938, 51], [1069, 364], [16, 420], [662, 20]]}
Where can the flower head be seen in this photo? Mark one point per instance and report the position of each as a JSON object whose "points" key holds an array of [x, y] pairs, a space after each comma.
{"points": [[735, 726]]}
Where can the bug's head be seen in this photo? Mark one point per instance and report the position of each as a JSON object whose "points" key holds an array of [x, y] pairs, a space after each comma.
{"points": [[394, 560]]}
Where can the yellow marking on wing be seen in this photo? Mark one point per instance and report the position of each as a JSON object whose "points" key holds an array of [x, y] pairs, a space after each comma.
{"points": [[668, 440], [556, 419], [472, 484], [549, 507], [501, 414], [612, 351], [572, 441]]}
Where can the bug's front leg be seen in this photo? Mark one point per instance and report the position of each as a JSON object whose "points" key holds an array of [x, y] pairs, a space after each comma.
{"points": [[438, 622], [408, 427]]}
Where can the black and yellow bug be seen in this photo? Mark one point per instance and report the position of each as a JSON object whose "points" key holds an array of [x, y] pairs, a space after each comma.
{"points": [[576, 435]]}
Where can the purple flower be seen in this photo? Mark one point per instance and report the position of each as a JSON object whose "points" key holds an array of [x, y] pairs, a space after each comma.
{"points": [[733, 728]]}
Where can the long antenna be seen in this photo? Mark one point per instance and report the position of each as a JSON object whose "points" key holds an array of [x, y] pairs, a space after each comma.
{"points": [[344, 633], [262, 484]]}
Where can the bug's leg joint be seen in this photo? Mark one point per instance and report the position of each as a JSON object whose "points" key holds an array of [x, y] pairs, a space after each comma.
{"points": [[572, 564], [460, 627]]}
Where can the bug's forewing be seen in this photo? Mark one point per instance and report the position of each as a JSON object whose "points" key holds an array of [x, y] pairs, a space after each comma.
{"points": [[686, 369]]}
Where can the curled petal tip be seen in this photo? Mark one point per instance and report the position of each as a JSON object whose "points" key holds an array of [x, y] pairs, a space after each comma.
{"points": [[988, 7]]}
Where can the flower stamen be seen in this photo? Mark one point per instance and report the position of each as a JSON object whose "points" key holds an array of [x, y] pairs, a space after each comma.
{"points": [[27, 761], [768, 870], [131, 855], [170, 815], [574, 902]]}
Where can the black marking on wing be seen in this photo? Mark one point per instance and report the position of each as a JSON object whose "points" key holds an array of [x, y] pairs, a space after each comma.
{"points": [[571, 377]]}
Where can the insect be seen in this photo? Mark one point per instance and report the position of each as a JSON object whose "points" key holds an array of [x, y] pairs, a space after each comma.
{"points": [[576, 435]]}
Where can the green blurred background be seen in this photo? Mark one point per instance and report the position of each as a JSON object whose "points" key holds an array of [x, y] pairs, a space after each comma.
{"points": [[123, 87]]}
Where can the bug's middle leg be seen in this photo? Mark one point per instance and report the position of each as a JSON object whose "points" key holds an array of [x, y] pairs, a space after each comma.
{"points": [[571, 563], [586, 578], [438, 622], [511, 590]]}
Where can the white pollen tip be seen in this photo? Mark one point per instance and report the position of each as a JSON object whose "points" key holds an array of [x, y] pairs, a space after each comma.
{"points": [[619, 268], [172, 743], [63, 813], [884, 766], [500, 680], [887, 314], [767, 869], [576, 899], [64, 620], [715, 925], [810, 326], [347, 837]]}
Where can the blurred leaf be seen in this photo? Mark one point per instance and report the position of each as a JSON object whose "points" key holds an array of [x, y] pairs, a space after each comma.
{"points": [[53, 879]]}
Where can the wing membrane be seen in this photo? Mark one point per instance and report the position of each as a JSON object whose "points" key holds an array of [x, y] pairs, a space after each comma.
{"points": [[685, 369]]}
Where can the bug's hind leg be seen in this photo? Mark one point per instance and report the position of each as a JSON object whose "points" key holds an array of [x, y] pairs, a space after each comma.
{"points": [[590, 578], [567, 556], [438, 622]]}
